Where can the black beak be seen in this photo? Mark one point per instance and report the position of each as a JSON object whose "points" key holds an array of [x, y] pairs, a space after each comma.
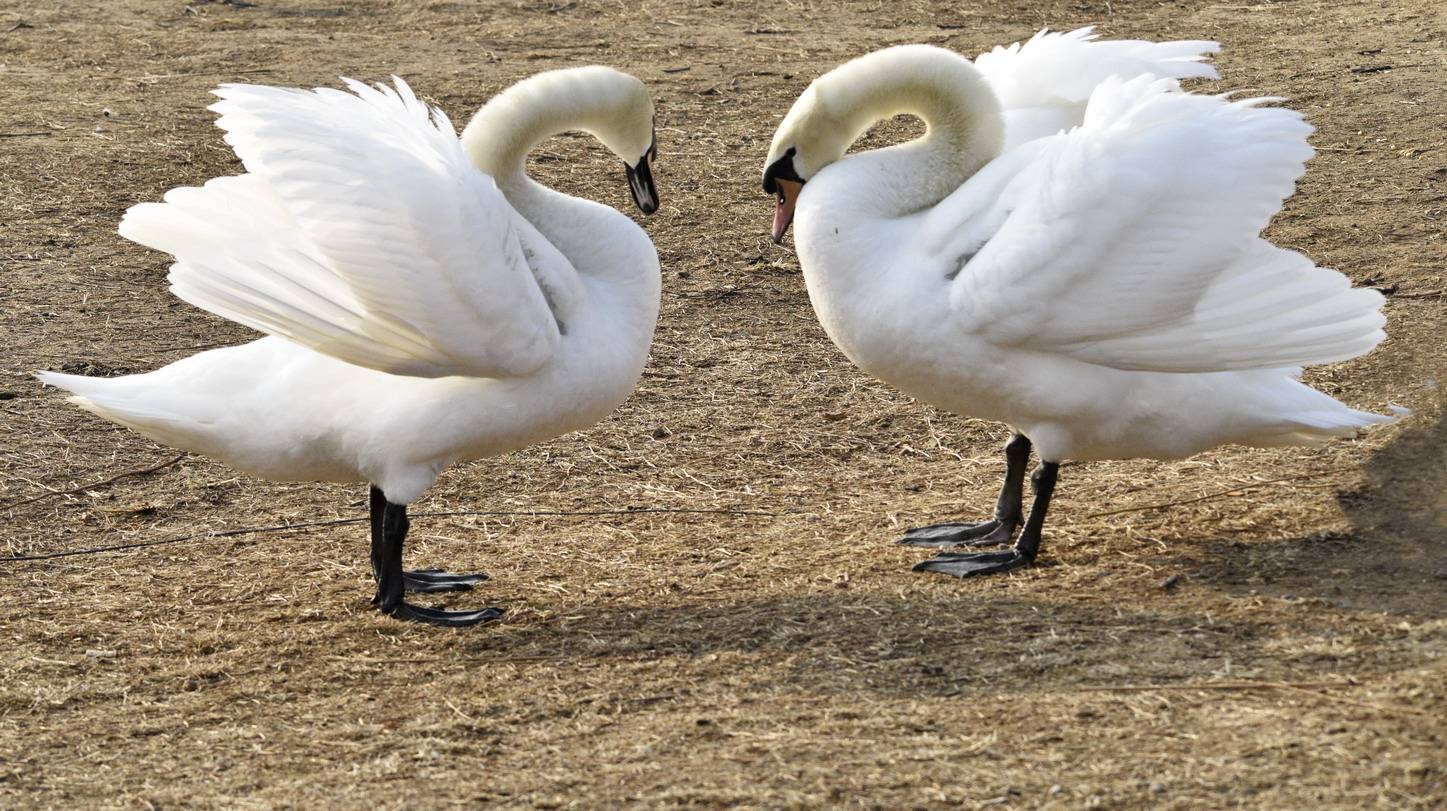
{"points": [[640, 181]]}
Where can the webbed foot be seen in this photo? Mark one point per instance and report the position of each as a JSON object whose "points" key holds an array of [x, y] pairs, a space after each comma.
{"points": [[441, 618], [954, 533], [428, 581], [969, 564]]}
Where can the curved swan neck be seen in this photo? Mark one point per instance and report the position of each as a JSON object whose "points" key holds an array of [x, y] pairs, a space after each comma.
{"points": [[965, 127], [611, 106]]}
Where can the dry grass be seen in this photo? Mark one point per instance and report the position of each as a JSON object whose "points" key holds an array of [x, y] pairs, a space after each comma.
{"points": [[696, 659]]}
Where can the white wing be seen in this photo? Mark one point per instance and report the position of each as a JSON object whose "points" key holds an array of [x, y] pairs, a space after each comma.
{"points": [[361, 230], [1132, 242], [1044, 83]]}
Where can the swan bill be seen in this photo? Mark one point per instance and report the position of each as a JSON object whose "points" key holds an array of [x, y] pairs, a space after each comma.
{"points": [[782, 180], [640, 181], [788, 196]]}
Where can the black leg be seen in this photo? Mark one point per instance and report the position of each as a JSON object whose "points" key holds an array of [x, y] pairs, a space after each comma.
{"points": [[998, 530], [389, 533], [376, 505], [414, 580], [1024, 550]]}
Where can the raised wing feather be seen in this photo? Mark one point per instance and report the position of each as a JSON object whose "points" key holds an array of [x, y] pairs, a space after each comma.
{"points": [[362, 231], [1043, 84], [1132, 242]]}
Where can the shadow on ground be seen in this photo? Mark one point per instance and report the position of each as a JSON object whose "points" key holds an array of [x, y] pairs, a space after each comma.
{"points": [[1394, 557], [911, 646]]}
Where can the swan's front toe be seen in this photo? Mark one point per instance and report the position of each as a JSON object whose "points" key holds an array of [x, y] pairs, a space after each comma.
{"points": [[431, 581], [954, 533], [974, 563], [444, 619]]}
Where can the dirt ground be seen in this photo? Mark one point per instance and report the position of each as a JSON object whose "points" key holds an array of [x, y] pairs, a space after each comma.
{"points": [[1244, 628]]}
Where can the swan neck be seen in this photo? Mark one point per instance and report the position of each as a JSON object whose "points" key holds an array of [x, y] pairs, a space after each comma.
{"points": [[964, 126], [611, 106]]}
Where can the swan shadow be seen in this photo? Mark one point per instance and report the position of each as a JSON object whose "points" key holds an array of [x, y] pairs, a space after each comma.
{"points": [[920, 640], [905, 645], [1393, 559]]}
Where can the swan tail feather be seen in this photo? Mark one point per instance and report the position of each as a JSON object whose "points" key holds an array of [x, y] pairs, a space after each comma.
{"points": [[1290, 412], [1313, 428], [112, 398]]}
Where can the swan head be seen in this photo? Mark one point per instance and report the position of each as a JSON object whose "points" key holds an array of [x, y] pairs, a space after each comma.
{"points": [[959, 109], [808, 139], [615, 108]]}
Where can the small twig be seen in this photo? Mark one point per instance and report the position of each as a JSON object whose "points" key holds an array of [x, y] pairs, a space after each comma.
{"points": [[396, 660], [1206, 497], [1382, 68], [1365, 705], [95, 550], [22, 134], [196, 348], [229, 533], [1298, 686], [1420, 294], [94, 485], [632, 511], [1216, 685], [499, 659], [460, 714]]}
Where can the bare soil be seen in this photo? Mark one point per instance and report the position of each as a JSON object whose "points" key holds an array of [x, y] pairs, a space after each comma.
{"points": [[1243, 628]]}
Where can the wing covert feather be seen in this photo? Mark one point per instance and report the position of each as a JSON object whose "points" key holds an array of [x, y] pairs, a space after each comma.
{"points": [[388, 248], [1132, 242]]}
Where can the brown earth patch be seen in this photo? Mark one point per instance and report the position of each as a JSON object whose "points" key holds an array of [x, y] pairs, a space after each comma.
{"points": [[710, 660]]}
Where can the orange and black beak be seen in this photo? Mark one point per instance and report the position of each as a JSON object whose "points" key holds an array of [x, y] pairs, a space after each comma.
{"points": [[640, 180], [783, 181], [788, 191]]}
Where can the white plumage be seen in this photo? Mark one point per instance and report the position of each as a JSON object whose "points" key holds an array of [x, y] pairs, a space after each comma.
{"points": [[1104, 290], [421, 311], [1132, 243], [379, 243], [1044, 83]]}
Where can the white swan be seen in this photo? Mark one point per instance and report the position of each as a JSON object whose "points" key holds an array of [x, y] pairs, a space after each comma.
{"points": [[427, 301], [1104, 291]]}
